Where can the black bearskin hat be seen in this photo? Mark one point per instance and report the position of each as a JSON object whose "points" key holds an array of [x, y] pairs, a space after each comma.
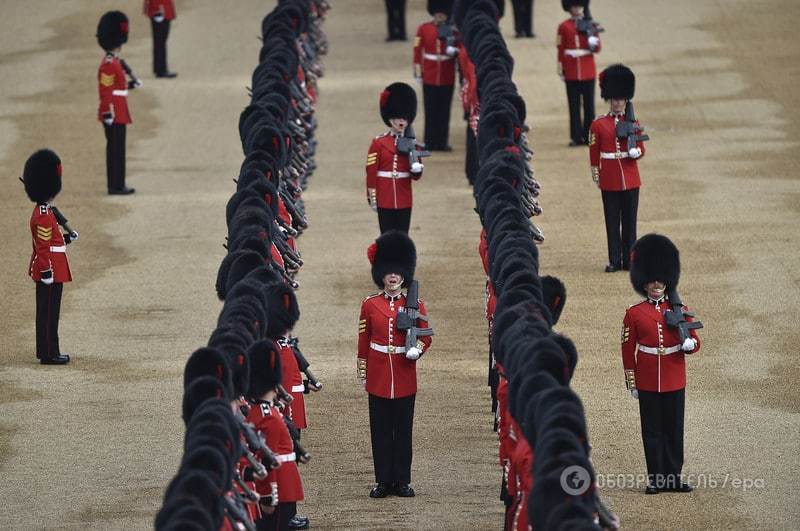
{"points": [[617, 81], [42, 176], [283, 311], [398, 100], [265, 368], [554, 295], [112, 30], [208, 361], [392, 252], [200, 390], [566, 4], [654, 257], [440, 6]]}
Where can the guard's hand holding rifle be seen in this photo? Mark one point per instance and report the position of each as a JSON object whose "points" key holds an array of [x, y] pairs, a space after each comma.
{"points": [[407, 145], [413, 354], [71, 235], [631, 131]]}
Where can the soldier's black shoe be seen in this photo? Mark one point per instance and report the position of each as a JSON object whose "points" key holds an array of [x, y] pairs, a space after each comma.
{"points": [[405, 491], [575, 143], [61, 359], [299, 522], [651, 489], [611, 268], [168, 75], [121, 191], [380, 490]]}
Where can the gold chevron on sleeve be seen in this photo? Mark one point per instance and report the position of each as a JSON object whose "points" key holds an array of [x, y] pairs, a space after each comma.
{"points": [[44, 233], [417, 40], [626, 333], [362, 326], [106, 79], [372, 158]]}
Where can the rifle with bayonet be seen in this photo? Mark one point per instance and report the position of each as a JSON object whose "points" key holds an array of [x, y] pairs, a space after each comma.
{"points": [[676, 317], [407, 319], [302, 363], [134, 82], [71, 234]]}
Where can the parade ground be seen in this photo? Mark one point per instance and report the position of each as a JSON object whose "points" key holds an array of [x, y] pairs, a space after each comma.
{"points": [[93, 444]]}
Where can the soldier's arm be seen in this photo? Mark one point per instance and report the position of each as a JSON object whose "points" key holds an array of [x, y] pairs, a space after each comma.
{"points": [[560, 53], [629, 340], [594, 153], [418, 53], [105, 87], [692, 333], [640, 145], [373, 159], [363, 342], [423, 342], [42, 232]]}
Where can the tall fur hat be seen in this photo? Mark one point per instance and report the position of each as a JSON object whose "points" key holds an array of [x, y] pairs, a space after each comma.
{"points": [[200, 390], [282, 310], [208, 361], [654, 257], [392, 252], [617, 81], [398, 100], [112, 30], [265, 368], [42, 176], [566, 4], [440, 6]]}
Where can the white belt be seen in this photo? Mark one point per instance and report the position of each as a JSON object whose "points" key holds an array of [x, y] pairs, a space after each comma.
{"points": [[577, 52], [614, 155], [659, 351], [435, 57], [285, 458], [395, 174], [391, 349], [59, 249], [120, 92], [298, 388]]}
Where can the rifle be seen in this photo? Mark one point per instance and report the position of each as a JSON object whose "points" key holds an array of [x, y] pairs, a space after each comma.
{"points": [[676, 317], [407, 145], [134, 81], [303, 364], [237, 514], [588, 26], [62, 220], [407, 319], [629, 129], [445, 32]]}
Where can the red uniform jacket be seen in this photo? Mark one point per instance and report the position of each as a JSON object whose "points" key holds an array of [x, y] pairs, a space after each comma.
{"points": [[491, 300], [269, 421], [469, 81], [437, 68], [293, 382], [153, 7], [609, 153], [113, 88], [522, 463], [644, 326], [389, 173], [49, 249], [575, 59], [389, 374]]}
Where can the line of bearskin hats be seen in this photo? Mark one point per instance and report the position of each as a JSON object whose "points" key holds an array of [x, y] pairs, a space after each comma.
{"points": [[654, 258], [398, 100], [392, 252], [618, 82], [41, 176], [112, 30]]}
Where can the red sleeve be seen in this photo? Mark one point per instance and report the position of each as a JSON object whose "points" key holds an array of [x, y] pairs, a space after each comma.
{"points": [[363, 332], [629, 339], [42, 231], [425, 340], [372, 164], [594, 146], [483, 250], [560, 48], [418, 51], [106, 78], [640, 144]]}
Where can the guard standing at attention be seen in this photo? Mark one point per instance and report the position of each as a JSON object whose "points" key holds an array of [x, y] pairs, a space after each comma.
{"points": [[113, 86], [161, 14], [387, 367]]}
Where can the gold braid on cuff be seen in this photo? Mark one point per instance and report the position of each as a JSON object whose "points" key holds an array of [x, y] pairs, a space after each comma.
{"points": [[595, 174], [362, 369], [630, 379]]}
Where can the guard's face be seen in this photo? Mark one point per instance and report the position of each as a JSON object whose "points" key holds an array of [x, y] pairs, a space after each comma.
{"points": [[576, 11], [618, 105], [399, 124], [393, 281], [655, 289], [439, 18]]}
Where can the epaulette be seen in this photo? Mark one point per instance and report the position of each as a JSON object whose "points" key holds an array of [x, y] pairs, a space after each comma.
{"points": [[637, 303], [368, 297], [381, 135]]}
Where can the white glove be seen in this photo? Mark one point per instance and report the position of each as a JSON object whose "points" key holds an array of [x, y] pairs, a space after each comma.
{"points": [[413, 354], [452, 51], [594, 41], [634, 152], [108, 118], [49, 280], [417, 167], [635, 393], [689, 345], [137, 83], [158, 17]]}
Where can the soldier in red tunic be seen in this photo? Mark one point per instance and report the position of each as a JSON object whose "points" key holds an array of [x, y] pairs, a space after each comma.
{"points": [[435, 68], [113, 86], [389, 173], [49, 267], [386, 368], [576, 68], [653, 357], [161, 14], [614, 167]]}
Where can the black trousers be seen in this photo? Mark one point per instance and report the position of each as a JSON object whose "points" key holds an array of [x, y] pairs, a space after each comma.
{"points": [[437, 114], [115, 156], [160, 34], [578, 91], [523, 16], [48, 310], [391, 422], [394, 219], [396, 19], [471, 161], [662, 434], [620, 210], [278, 520]]}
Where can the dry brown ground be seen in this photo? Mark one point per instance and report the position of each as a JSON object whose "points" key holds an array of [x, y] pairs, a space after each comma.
{"points": [[92, 445]]}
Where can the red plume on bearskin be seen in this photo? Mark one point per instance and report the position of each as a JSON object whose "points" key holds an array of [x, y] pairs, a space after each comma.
{"points": [[112, 30]]}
